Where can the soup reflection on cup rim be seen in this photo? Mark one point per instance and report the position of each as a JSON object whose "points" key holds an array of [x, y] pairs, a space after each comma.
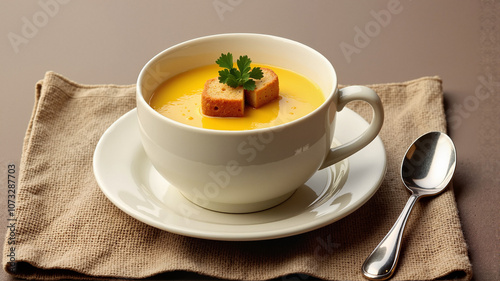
{"points": [[248, 170]]}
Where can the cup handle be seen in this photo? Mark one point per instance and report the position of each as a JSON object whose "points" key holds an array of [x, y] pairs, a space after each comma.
{"points": [[346, 95]]}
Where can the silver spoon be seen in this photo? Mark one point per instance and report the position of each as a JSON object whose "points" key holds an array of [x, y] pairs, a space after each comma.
{"points": [[426, 170]]}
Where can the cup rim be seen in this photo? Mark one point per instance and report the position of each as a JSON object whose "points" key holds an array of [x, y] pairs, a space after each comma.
{"points": [[140, 98]]}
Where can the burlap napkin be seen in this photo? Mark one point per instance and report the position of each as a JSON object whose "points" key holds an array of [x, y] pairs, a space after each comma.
{"points": [[67, 228]]}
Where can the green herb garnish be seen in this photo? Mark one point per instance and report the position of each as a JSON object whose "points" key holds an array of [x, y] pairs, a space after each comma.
{"points": [[243, 76]]}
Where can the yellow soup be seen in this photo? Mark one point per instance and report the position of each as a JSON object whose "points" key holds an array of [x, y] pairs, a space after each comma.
{"points": [[179, 98]]}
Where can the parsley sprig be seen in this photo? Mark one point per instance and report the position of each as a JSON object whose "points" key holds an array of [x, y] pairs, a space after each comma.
{"points": [[243, 76]]}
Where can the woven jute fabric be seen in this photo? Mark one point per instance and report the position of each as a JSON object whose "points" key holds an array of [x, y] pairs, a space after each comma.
{"points": [[66, 228]]}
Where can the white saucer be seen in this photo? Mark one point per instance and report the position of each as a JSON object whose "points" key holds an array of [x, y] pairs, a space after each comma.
{"points": [[128, 179]]}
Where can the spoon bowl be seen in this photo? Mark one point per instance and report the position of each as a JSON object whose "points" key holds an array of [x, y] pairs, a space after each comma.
{"points": [[426, 170], [429, 164]]}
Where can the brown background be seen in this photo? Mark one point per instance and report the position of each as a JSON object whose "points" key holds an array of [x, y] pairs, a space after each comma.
{"points": [[102, 42]]}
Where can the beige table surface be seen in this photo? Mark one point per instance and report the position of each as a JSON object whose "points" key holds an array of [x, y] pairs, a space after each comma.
{"points": [[95, 42]]}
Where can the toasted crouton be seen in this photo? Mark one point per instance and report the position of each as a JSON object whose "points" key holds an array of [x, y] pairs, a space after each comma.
{"points": [[221, 100], [266, 89]]}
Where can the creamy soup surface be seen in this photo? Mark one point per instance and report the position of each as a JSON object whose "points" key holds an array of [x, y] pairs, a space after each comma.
{"points": [[179, 98]]}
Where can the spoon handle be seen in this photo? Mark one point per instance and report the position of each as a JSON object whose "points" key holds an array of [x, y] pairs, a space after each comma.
{"points": [[382, 261]]}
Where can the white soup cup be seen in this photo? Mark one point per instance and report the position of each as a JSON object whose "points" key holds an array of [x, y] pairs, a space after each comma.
{"points": [[248, 170]]}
